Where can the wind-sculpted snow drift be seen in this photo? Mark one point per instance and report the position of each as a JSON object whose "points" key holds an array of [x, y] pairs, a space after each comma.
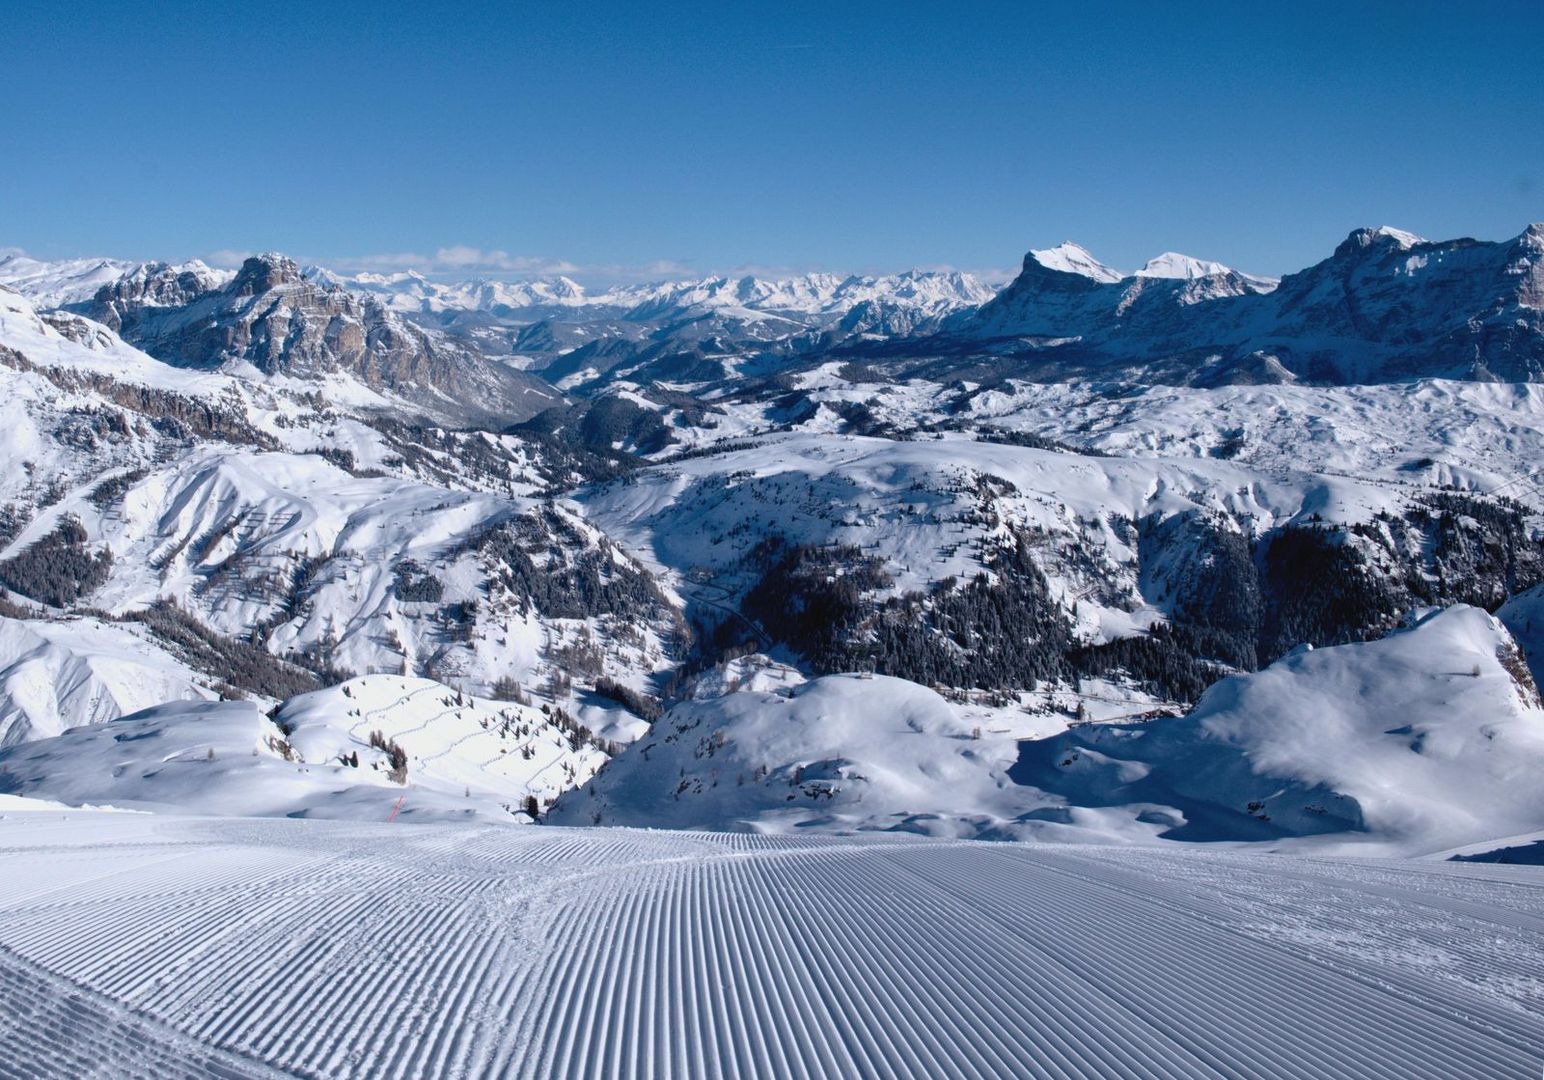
{"points": [[840, 752], [1427, 740]]}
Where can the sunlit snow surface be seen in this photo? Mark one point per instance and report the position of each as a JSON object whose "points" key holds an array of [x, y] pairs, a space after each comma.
{"points": [[138, 945]]}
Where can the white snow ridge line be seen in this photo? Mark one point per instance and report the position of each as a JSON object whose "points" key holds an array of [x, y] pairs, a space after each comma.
{"points": [[165, 947]]}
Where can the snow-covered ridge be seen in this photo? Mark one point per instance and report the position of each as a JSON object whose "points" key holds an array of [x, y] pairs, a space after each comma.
{"points": [[1070, 258], [1173, 265], [58, 282]]}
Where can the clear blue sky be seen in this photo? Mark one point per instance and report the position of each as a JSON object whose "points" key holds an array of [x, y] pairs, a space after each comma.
{"points": [[791, 135]]}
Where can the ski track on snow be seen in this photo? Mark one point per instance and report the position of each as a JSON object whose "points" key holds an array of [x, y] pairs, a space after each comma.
{"points": [[165, 947]]}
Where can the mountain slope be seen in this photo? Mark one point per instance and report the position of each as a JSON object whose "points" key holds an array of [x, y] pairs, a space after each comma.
{"points": [[840, 752], [58, 675], [222, 513], [1421, 742], [51, 284], [325, 754]]}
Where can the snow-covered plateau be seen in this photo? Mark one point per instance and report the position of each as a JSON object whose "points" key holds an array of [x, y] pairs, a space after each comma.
{"points": [[1093, 674]]}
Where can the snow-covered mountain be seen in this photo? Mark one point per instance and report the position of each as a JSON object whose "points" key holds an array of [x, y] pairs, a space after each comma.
{"points": [[807, 294], [59, 674], [1171, 264], [1070, 258], [411, 292], [51, 284], [1387, 305], [1427, 740], [534, 322], [842, 751], [711, 506], [226, 518], [268, 316]]}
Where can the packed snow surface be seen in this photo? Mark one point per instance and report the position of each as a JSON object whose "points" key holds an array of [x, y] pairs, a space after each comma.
{"points": [[138, 945]]}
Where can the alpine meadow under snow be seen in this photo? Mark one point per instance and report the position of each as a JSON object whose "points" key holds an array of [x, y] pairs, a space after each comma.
{"points": [[1094, 673]]}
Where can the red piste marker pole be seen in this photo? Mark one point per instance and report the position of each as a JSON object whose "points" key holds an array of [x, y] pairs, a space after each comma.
{"points": [[394, 809]]}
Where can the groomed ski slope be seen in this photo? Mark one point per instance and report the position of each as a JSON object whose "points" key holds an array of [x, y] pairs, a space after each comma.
{"points": [[137, 945]]}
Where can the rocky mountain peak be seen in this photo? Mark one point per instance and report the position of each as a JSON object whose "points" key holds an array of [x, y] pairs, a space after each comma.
{"points": [[1173, 264], [271, 317], [1070, 258], [1383, 237], [264, 273], [152, 285]]}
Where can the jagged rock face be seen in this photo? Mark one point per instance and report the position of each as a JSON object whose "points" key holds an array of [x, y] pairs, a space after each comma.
{"points": [[151, 285], [1385, 306], [1460, 308], [269, 315]]}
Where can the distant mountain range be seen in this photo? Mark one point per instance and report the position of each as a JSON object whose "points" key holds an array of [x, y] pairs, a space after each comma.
{"points": [[1386, 306], [807, 294]]}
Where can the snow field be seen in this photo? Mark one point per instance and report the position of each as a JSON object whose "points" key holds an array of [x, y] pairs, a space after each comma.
{"points": [[160, 946]]}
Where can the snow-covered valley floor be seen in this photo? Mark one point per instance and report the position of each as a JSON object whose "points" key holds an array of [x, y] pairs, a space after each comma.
{"points": [[160, 946]]}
